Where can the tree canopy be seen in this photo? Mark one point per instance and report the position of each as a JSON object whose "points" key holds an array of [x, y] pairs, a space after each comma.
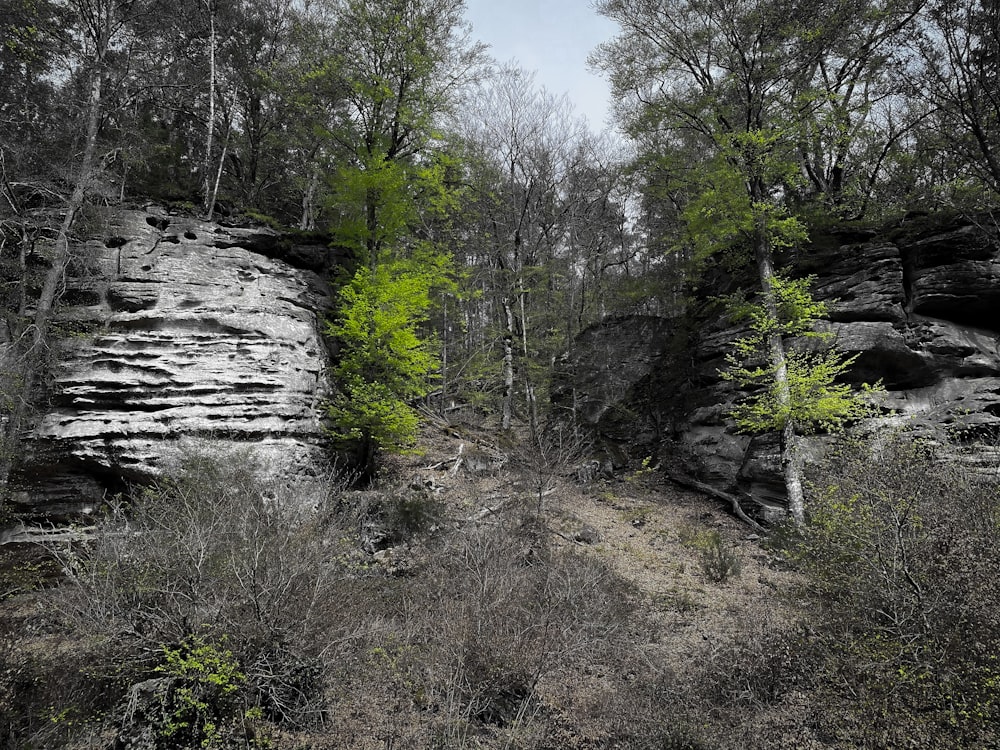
{"points": [[743, 126]]}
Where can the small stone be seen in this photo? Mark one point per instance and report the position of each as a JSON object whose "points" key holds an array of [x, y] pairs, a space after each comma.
{"points": [[587, 535]]}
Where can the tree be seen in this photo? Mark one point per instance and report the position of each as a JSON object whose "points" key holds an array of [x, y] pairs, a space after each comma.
{"points": [[714, 71], [718, 77], [810, 398], [523, 145], [400, 65], [384, 363], [847, 59], [31, 60], [103, 34], [959, 77]]}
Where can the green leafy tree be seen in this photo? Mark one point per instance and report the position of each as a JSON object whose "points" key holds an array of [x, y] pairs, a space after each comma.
{"points": [[384, 361], [716, 82], [809, 398], [400, 65], [387, 359]]}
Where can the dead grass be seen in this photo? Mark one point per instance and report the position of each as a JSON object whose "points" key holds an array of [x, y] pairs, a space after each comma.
{"points": [[643, 528], [493, 625]]}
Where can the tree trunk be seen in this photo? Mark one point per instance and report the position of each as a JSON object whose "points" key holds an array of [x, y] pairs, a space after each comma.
{"points": [[445, 344], [60, 258], [210, 210], [792, 468], [776, 354], [206, 167], [508, 367], [308, 221], [529, 389], [21, 356]]}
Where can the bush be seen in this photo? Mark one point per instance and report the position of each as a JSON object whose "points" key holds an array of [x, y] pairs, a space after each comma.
{"points": [[900, 550], [460, 653], [718, 561], [209, 597]]}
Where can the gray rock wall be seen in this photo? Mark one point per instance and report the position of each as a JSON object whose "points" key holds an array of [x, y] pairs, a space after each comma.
{"points": [[177, 329], [919, 305]]}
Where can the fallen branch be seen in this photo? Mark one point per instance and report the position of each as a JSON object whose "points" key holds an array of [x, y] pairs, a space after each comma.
{"points": [[487, 511], [734, 502], [456, 460]]}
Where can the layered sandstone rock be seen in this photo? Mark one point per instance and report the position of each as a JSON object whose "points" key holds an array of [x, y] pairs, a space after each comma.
{"points": [[178, 329], [920, 307]]}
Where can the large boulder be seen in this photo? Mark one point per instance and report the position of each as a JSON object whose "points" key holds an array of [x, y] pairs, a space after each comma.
{"points": [[171, 329]]}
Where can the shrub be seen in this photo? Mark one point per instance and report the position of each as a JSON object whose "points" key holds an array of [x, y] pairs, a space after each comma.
{"points": [[900, 551], [718, 561], [198, 695], [460, 653], [214, 554]]}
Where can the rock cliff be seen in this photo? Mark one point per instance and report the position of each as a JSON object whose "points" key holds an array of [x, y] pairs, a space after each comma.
{"points": [[174, 328], [919, 304]]}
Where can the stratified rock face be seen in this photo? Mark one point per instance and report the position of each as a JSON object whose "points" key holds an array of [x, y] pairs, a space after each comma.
{"points": [[919, 308], [179, 329]]}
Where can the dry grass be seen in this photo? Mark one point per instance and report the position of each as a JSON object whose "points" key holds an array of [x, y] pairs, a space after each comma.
{"points": [[487, 621]]}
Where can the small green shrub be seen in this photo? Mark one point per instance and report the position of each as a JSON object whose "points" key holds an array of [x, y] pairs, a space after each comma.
{"points": [[201, 693], [718, 561]]}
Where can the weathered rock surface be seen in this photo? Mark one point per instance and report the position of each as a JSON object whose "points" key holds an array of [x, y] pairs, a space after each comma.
{"points": [[920, 308], [178, 329]]}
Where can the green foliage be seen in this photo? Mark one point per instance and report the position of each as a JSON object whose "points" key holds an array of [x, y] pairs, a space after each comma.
{"points": [[382, 205], [718, 561], [815, 400], [384, 362], [202, 678], [380, 186], [899, 552], [723, 215]]}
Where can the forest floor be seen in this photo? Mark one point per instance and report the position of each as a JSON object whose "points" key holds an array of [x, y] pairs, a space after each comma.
{"points": [[651, 532], [716, 595], [708, 601]]}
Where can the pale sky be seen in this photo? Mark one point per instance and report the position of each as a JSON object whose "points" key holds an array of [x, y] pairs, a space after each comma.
{"points": [[553, 38]]}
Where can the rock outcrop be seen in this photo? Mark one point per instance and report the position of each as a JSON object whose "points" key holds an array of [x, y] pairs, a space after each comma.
{"points": [[172, 329], [919, 305]]}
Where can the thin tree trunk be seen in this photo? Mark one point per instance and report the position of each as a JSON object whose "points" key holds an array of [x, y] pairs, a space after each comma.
{"points": [[776, 354], [371, 224], [445, 342], [60, 258], [308, 221], [218, 175], [21, 354], [529, 389], [792, 468], [206, 167], [508, 367]]}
